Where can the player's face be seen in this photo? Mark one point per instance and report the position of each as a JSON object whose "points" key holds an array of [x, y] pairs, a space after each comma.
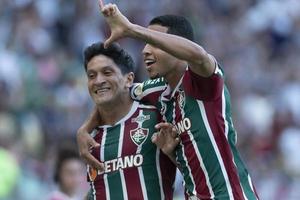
{"points": [[158, 63], [106, 83]]}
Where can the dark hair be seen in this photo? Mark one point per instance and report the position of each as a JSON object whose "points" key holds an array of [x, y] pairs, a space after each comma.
{"points": [[122, 59], [177, 25], [64, 154]]}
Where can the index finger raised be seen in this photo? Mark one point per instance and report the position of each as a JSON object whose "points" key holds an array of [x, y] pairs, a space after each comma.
{"points": [[101, 3]]}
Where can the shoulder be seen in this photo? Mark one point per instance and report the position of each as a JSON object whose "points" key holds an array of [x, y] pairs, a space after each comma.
{"points": [[149, 86]]}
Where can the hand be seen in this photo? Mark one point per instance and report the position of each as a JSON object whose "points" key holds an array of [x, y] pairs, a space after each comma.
{"points": [[86, 142], [118, 23], [166, 139]]}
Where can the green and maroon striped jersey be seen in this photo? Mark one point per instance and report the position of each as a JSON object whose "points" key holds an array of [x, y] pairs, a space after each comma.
{"points": [[207, 155], [134, 167]]}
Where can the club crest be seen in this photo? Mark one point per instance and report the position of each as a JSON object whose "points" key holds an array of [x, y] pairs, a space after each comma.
{"points": [[181, 99], [139, 135]]}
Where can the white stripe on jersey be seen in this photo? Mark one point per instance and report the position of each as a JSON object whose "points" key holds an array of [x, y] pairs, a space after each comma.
{"points": [[147, 106], [119, 155], [93, 190], [106, 187], [250, 183], [224, 113], [150, 91], [162, 196], [226, 133], [141, 176], [212, 139], [102, 160], [191, 136]]}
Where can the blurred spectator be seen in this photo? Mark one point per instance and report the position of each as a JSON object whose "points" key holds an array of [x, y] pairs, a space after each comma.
{"points": [[69, 175]]}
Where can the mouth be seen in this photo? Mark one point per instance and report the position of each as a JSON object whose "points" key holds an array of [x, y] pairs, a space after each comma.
{"points": [[149, 62], [101, 90]]}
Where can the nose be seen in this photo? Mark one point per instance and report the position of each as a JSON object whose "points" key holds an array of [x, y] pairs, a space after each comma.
{"points": [[147, 50], [99, 79]]}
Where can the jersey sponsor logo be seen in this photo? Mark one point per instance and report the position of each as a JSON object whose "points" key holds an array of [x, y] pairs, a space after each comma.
{"points": [[153, 81], [139, 135], [116, 164], [183, 125], [140, 119], [123, 163]]}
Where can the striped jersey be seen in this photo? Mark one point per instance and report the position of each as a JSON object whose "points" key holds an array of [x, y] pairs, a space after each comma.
{"points": [[207, 156], [134, 167]]}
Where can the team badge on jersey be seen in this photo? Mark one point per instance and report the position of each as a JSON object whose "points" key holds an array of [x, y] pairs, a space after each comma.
{"points": [[181, 99], [139, 135]]}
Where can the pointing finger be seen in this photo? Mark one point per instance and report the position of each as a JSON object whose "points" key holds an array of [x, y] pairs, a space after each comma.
{"points": [[101, 4]]}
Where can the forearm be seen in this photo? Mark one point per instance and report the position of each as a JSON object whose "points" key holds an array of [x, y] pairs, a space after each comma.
{"points": [[90, 123], [177, 46]]}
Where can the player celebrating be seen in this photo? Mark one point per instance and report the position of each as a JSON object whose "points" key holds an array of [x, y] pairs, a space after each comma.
{"points": [[194, 99], [134, 167]]}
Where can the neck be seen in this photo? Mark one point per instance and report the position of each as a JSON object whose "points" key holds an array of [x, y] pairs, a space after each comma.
{"points": [[114, 111], [174, 77]]}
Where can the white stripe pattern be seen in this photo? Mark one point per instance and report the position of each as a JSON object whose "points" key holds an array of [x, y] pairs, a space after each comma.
{"points": [[226, 134], [123, 182], [102, 159], [191, 136], [224, 113], [216, 149], [162, 195], [141, 176]]}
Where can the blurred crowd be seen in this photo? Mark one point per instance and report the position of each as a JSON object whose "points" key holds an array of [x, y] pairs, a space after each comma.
{"points": [[44, 97]]}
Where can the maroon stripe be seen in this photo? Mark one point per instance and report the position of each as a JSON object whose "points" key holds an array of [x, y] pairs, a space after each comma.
{"points": [[131, 175], [100, 188], [193, 161], [168, 173], [151, 98], [99, 181], [98, 138], [216, 121], [197, 173]]}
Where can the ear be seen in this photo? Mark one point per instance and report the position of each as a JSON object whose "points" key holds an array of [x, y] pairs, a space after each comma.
{"points": [[129, 79]]}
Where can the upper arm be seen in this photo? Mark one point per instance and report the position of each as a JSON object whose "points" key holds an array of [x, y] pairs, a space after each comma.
{"points": [[204, 88], [203, 64]]}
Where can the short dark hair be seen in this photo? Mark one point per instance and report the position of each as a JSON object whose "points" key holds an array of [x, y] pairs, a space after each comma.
{"points": [[177, 25], [122, 59], [65, 153]]}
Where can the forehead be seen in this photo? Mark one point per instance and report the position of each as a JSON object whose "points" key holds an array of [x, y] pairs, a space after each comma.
{"points": [[159, 28], [101, 61]]}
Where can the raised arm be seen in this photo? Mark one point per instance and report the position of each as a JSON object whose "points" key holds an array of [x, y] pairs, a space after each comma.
{"points": [[198, 59]]}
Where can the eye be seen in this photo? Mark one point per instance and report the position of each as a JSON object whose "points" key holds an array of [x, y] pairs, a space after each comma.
{"points": [[107, 72], [91, 75]]}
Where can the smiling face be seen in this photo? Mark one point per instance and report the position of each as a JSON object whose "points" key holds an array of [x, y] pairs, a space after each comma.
{"points": [[158, 63], [106, 83]]}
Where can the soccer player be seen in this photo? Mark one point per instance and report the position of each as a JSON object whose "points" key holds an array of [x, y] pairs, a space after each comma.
{"points": [[192, 96], [133, 166]]}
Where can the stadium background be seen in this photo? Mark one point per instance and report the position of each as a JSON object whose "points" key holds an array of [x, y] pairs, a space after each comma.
{"points": [[44, 98]]}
